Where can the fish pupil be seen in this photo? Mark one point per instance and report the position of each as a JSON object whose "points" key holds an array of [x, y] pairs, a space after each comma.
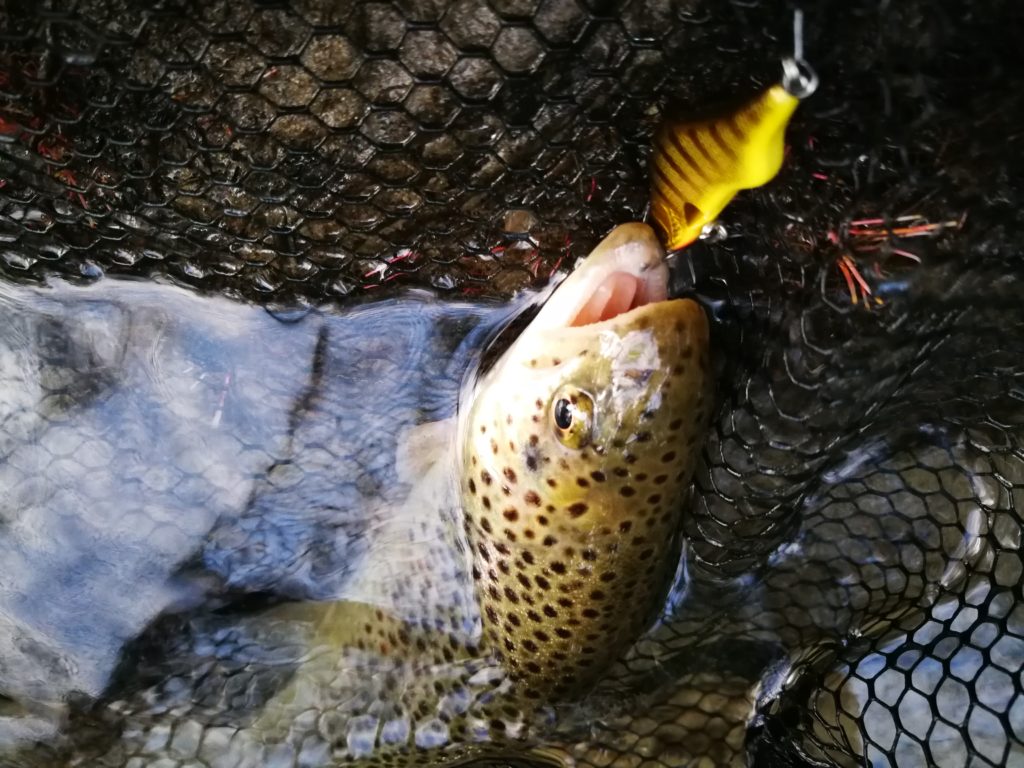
{"points": [[563, 414]]}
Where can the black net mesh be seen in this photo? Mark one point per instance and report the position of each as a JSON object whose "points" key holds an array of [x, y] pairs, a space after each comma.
{"points": [[856, 530]]}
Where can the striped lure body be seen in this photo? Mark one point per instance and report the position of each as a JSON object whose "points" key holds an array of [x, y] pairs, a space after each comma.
{"points": [[698, 167]]}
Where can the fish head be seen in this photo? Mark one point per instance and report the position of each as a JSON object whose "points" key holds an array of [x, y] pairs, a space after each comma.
{"points": [[577, 454]]}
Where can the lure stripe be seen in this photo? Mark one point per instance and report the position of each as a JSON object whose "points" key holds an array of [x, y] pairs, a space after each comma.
{"points": [[733, 124], [676, 144], [666, 188], [723, 143], [694, 137], [673, 172], [666, 185]]}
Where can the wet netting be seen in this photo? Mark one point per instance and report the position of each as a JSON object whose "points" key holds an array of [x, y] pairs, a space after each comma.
{"points": [[854, 547]]}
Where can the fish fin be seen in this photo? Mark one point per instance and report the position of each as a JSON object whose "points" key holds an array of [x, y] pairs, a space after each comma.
{"points": [[421, 447]]}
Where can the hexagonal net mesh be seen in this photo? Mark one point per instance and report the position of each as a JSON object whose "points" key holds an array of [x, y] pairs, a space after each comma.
{"points": [[854, 584]]}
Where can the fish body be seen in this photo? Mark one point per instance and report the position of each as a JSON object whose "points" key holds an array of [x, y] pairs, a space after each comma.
{"points": [[511, 578], [577, 454], [390, 645]]}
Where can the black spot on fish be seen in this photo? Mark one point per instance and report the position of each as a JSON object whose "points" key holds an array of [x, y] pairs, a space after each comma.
{"points": [[530, 456]]}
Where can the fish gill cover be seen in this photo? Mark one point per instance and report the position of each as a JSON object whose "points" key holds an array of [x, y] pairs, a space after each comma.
{"points": [[857, 520]]}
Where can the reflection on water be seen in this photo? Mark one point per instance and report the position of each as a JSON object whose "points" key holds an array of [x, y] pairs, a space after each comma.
{"points": [[161, 451], [199, 501]]}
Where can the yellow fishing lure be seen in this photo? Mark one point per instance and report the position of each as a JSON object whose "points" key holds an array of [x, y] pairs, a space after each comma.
{"points": [[698, 166]]}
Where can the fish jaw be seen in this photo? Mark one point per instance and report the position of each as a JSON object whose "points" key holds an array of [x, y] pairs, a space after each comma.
{"points": [[574, 541]]}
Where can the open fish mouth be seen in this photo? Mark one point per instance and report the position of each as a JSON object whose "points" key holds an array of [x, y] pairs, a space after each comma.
{"points": [[625, 273], [619, 294]]}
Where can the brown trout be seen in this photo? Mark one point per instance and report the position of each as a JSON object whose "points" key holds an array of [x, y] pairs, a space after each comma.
{"points": [[525, 545]]}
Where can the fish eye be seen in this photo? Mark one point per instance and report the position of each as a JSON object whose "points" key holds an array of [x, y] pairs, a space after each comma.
{"points": [[563, 414], [572, 412]]}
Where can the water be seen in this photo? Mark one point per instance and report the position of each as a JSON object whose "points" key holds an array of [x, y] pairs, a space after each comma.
{"points": [[163, 451]]}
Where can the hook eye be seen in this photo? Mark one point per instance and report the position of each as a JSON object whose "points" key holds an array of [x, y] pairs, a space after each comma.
{"points": [[798, 78]]}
